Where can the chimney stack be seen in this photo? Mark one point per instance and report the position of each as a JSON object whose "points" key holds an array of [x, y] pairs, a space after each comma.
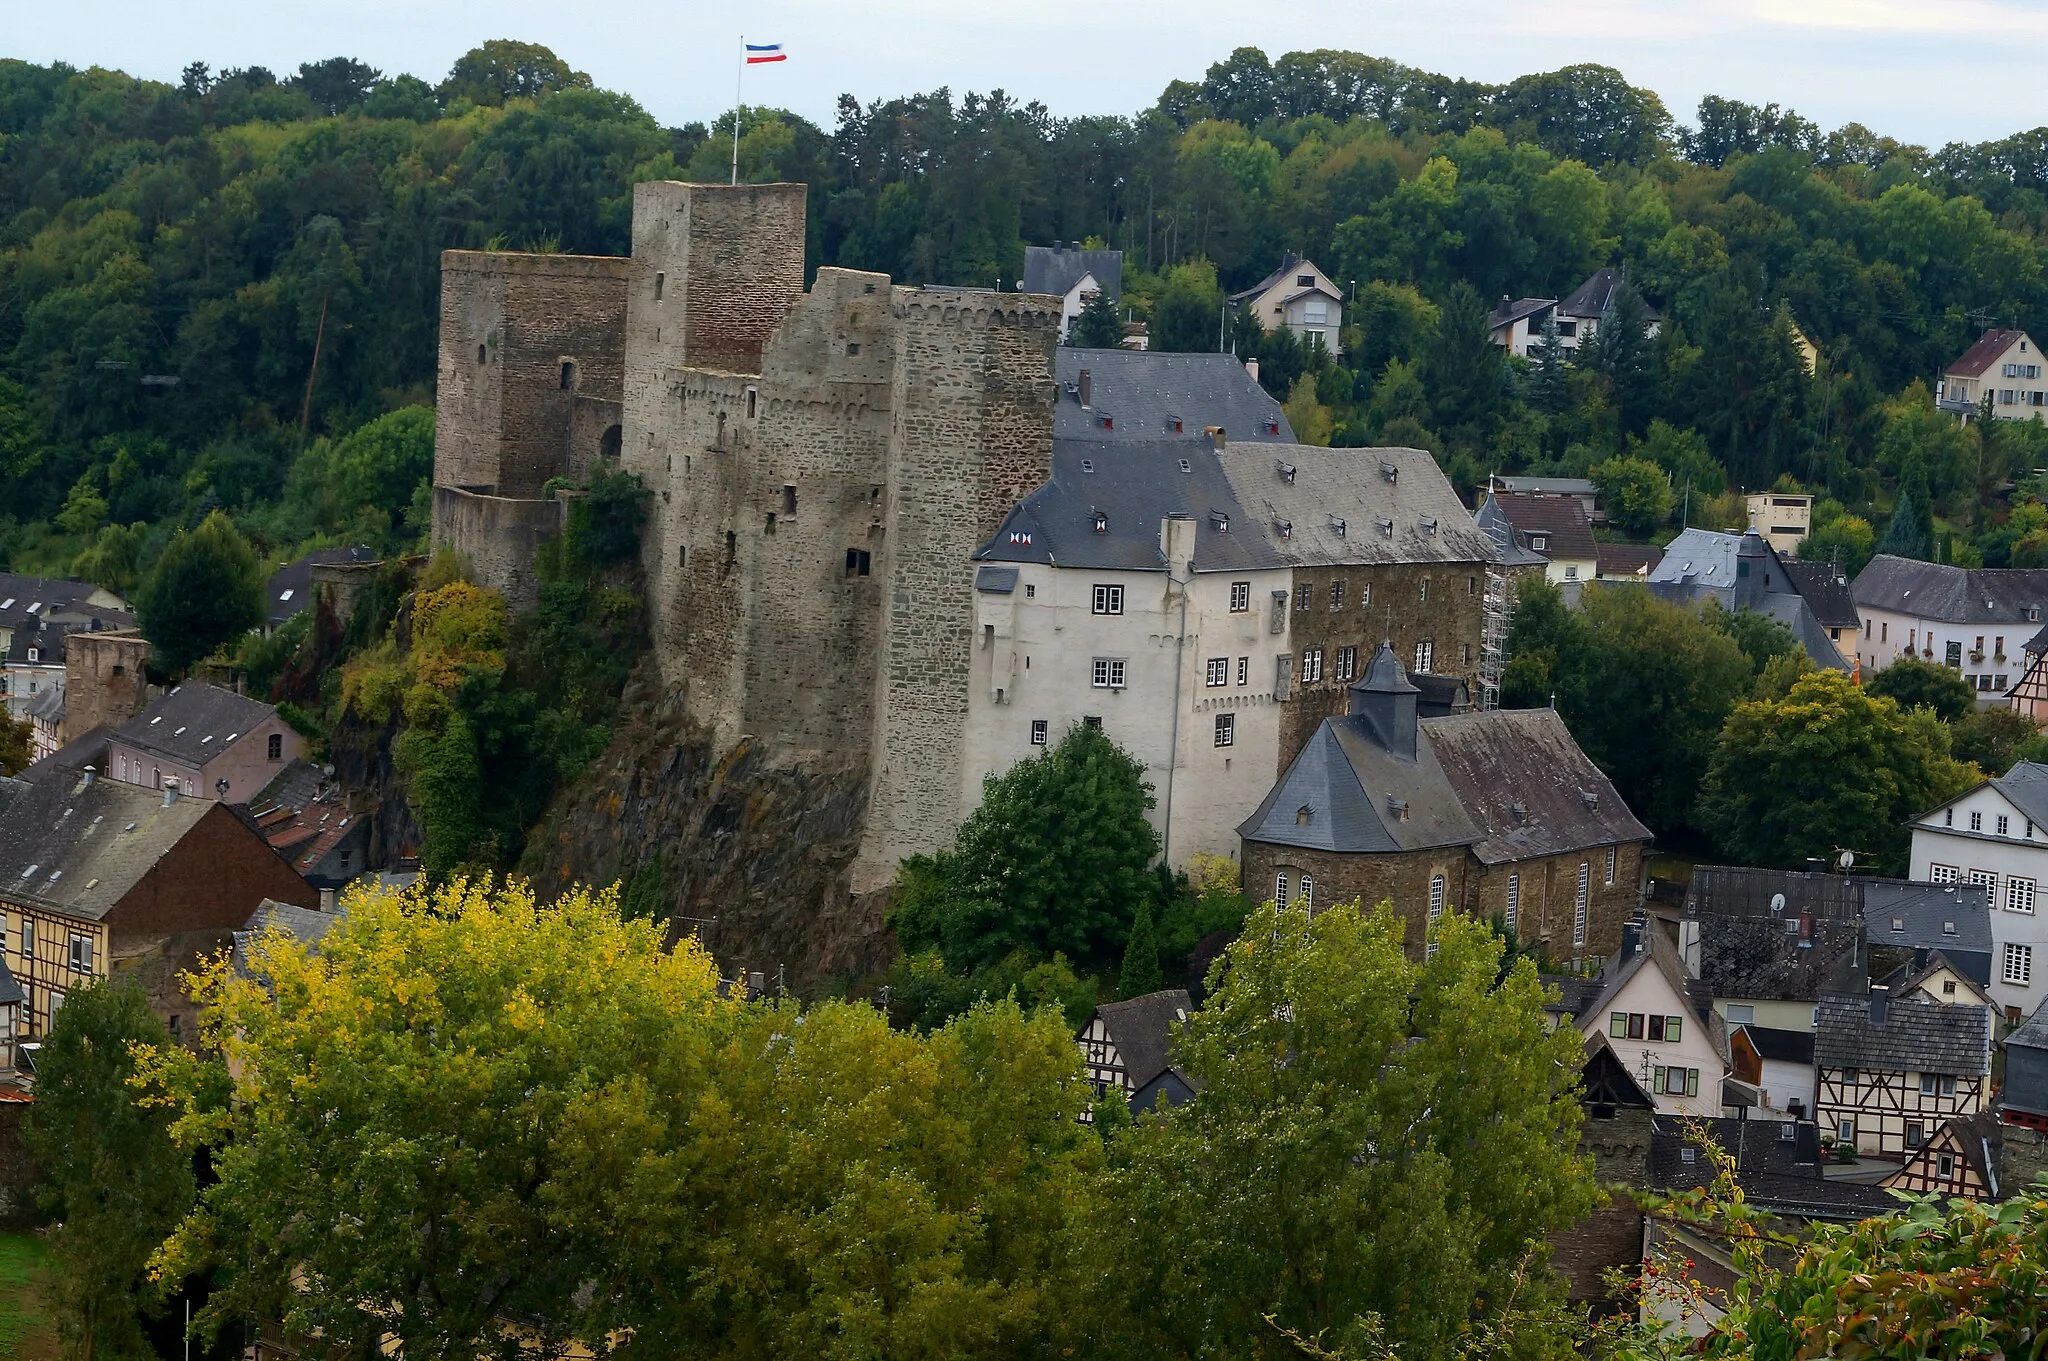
{"points": [[1216, 440], [170, 795], [1087, 389], [1251, 366], [1880, 1004], [327, 897], [1631, 936]]}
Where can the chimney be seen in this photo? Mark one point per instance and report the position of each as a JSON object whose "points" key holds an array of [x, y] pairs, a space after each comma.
{"points": [[86, 777], [1806, 930], [1251, 366], [1087, 389], [1386, 701], [1632, 936], [1216, 440], [1880, 1004], [326, 900], [170, 795]]}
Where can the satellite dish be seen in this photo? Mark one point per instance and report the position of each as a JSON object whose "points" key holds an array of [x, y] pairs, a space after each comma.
{"points": [[1777, 903], [1848, 859]]}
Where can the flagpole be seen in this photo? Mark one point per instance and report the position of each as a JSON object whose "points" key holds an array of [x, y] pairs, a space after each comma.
{"points": [[738, 75]]}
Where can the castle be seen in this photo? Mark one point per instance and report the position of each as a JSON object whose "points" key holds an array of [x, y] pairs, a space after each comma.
{"points": [[823, 466]]}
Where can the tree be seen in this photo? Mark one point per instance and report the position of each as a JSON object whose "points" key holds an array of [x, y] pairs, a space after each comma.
{"points": [[1829, 767], [1546, 389], [502, 70], [204, 591], [1463, 369], [17, 738], [337, 84], [1054, 859], [1637, 494], [1189, 312], [1990, 738], [113, 1180], [1911, 531], [1916, 684], [1140, 972], [1340, 1172], [1847, 541], [1097, 327]]}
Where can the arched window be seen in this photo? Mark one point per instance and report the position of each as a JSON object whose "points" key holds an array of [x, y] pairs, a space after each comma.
{"points": [[1307, 897], [608, 446], [1280, 888], [568, 375]]}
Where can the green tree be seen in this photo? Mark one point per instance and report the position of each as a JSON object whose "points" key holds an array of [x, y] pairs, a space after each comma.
{"points": [[1365, 1190], [113, 1180], [1140, 972], [1911, 531], [1637, 493], [17, 739], [1546, 389], [1188, 315], [1917, 684], [204, 591], [1826, 768], [502, 70], [85, 509], [1989, 738], [1054, 859], [1463, 370], [1098, 326], [1847, 541], [1760, 636]]}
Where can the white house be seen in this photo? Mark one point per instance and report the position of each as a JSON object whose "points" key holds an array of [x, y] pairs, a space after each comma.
{"points": [[1997, 835], [2005, 366], [1073, 275], [1783, 519], [1975, 621], [1777, 1065], [1299, 297], [1517, 323], [36, 614], [1657, 1026]]}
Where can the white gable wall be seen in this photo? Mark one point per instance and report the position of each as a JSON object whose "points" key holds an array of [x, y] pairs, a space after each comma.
{"points": [[1947, 850]]}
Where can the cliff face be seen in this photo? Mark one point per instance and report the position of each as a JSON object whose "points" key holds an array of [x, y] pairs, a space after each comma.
{"points": [[752, 852]]}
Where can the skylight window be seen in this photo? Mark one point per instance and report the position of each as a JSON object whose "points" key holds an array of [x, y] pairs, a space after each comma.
{"points": [[8, 603], [285, 594], [29, 873]]}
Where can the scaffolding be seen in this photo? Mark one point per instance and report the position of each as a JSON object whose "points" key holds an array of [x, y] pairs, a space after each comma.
{"points": [[1493, 637]]}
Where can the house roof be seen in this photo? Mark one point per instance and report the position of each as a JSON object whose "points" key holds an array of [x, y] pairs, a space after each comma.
{"points": [[302, 924], [1915, 1036], [1394, 505], [193, 723], [1289, 264], [1347, 783], [1494, 523], [1524, 782], [1748, 950], [1984, 353], [1507, 312], [1776, 1174], [1142, 1031], [1826, 590], [1561, 519], [1954, 595], [26, 600], [1975, 974], [1747, 891], [2025, 787], [1144, 393], [1705, 564], [1605, 1078], [1628, 559], [1653, 949], [48, 705], [1780, 1046], [1057, 268], [289, 589], [77, 847], [1575, 994], [1593, 297], [1950, 917], [1544, 486], [87, 749]]}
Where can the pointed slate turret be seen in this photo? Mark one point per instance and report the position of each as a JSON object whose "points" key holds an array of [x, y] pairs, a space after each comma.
{"points": [[1385, 699]]}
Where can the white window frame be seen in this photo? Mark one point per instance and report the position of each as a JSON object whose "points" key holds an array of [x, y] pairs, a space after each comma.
{"points": [[2004, 825], [1976, 822], [2017, 964], [1514, 913], [79, 954], [1280, 888], [1109, 673], [2019, 894], [1611, 857], [1040, 735], [1437, 894], [1988, 879], [1311, 665], [1226, 729], [1244, 670], [1306, 893], [1579, 903], [1108, 600], [1219, 671], [1240, 597], [1425, 657], [1943, 874]]}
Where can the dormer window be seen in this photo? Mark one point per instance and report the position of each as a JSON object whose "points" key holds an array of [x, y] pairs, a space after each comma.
{"points": [[1087, 465], [1272, 427], [1219, 522], [1337, 526], [1539, 542], [1385, 527], [1429, 524], [1304, 815], [1284, 528], [1105, 421], [1286, 470], [1186, 466], [1390, 472], [1101, 523], [1173, 425]]}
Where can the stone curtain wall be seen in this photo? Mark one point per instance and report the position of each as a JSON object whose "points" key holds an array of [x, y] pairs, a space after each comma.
{"points": [[469, 395], [103, 680], [498, 537]]}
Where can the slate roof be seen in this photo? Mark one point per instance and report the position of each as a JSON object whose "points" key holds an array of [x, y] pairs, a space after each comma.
{"points": [[1782, 1176], [1575, 995], [1762, 959], [1142, 1031], [47, 704], [289, 589], [87, 749], [1628, 559], [302, 924], [46, 631], [1746, 891], [77, 848], [1947, 917], [1345, 778], [1494, 523], [1561, 519], [1916, 1037], [193, 723], [1593, 297], [1780, 1046], [1653, 949], [1976, 973], [2025, 786], [1705, 564], [1954, 595], [1827, 592], [2038, 644], [1395, 505], [1057, 268], [1507, 312], [2032, 1033], [26, 599], [1289, 264], [1523, 780], [1981, 355], [1143, 393], [1545, 486]]}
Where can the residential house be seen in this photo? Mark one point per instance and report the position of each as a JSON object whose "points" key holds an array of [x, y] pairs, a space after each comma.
{"points": [[1495, 813], [1148, 395], [1742, 572], [1660, 1023], [1907, 925], [1972, 620], [1580, 489], [1517, 323], [36, 615], [2029, 694], [1552, 527], [1996, 835], [1073, 275], [95, 874], [1826, 590], [1128, 1049], [1782, 518], [307, 819], [306, 926], [2024, 1098], [1959, 1159], [1777, 1165], [1207, 607], [207, 742], [1890, 1073], [45, 714], [290, 588], [11, 999], [1299, 297], [2004, 368], [1938, 980], [1627, 561], [1775, 1068], [1768, 944]]}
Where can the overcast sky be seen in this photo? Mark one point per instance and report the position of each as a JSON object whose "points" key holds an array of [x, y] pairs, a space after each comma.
{"points": [[1931, 71]]}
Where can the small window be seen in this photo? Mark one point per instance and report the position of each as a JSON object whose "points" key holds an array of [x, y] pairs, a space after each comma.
{"points": [[1240, 597], [660, 282], [1741, 1013], [753, 402], [1218, 671], [1976, 822], [1311, 665], [1610, 864], [81, 954], [1916, 1133], [1037, 732], [481, 356], [568, 375], [1244, 670], [1944, 1165], [1109, 600], [788, 500], [1226, 730], [1845, 1130], [1425, 657], [1107, 673], [276, 746], [1304, 594], [858, 562], [1336, 595]]}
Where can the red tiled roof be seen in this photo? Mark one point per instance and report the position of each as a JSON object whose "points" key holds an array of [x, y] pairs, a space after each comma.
{"points": [[1624, 559], [1561, 518], [1980, 356]]}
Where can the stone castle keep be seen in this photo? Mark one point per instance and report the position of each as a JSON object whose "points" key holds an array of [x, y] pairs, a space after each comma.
{"points": [[822, 464]]}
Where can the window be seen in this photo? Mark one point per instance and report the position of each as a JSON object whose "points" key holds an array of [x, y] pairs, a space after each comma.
{"points": [[859, 563], [1226, 729], [1037, 732], [1219, 671], [2019, 963], [1347, 663], [660, 281], [28, 939], [1944, 1165], [2019, 894], [1364, 594], [1436, 912], [1302, 595], [1311, 665], [1617, 1025], [1240, 597], [1336, 595], [1657, 1028], [1673, 1026], [1678, 1081], [1927, 1084], [276, 746], [1108, 673], [1109, 600], [1741, 1013], [1425, 656], [1571, 571], [1280, 888], [481, 358], [1976, 822], [2004, 825], [1915, 1133], [1941, 874], [1514, 903], [1307, 896], [1848, 1074], [1610, 864], [1845, 1130], [1579, 905], [81, 954], [1948, 817], [1989, 879], [1244, 670]]}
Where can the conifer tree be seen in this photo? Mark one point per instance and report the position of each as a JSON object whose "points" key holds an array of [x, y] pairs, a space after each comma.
{"points": [[1097, 328], [1547, 391], [1911, 532], [1140, 972]]}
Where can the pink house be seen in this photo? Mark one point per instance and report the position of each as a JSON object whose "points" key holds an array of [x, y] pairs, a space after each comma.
{"points": [[206, 742]]}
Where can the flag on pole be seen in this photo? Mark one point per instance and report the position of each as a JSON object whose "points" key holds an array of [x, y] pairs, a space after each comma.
{"points": [[758, 53]]}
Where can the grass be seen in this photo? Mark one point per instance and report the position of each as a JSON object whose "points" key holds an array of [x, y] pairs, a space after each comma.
{"points": [[25, 1331]]}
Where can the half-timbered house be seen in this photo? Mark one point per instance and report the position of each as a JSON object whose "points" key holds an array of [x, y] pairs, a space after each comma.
{"points": [[1128, 1048], [1891, 1073], [1960, 1159]]}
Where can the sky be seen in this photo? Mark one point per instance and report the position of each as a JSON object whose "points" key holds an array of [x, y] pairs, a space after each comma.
{"points": [[1929, 72]]}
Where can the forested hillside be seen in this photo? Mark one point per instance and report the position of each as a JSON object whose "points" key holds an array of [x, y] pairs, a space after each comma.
{"points": [[204, 287]]}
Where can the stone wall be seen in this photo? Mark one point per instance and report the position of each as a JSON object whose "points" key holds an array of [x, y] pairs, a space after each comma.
{"points": [[2022, 1156], [1612, 1235], [498, 536], [103, 680], [1402, 877]]}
